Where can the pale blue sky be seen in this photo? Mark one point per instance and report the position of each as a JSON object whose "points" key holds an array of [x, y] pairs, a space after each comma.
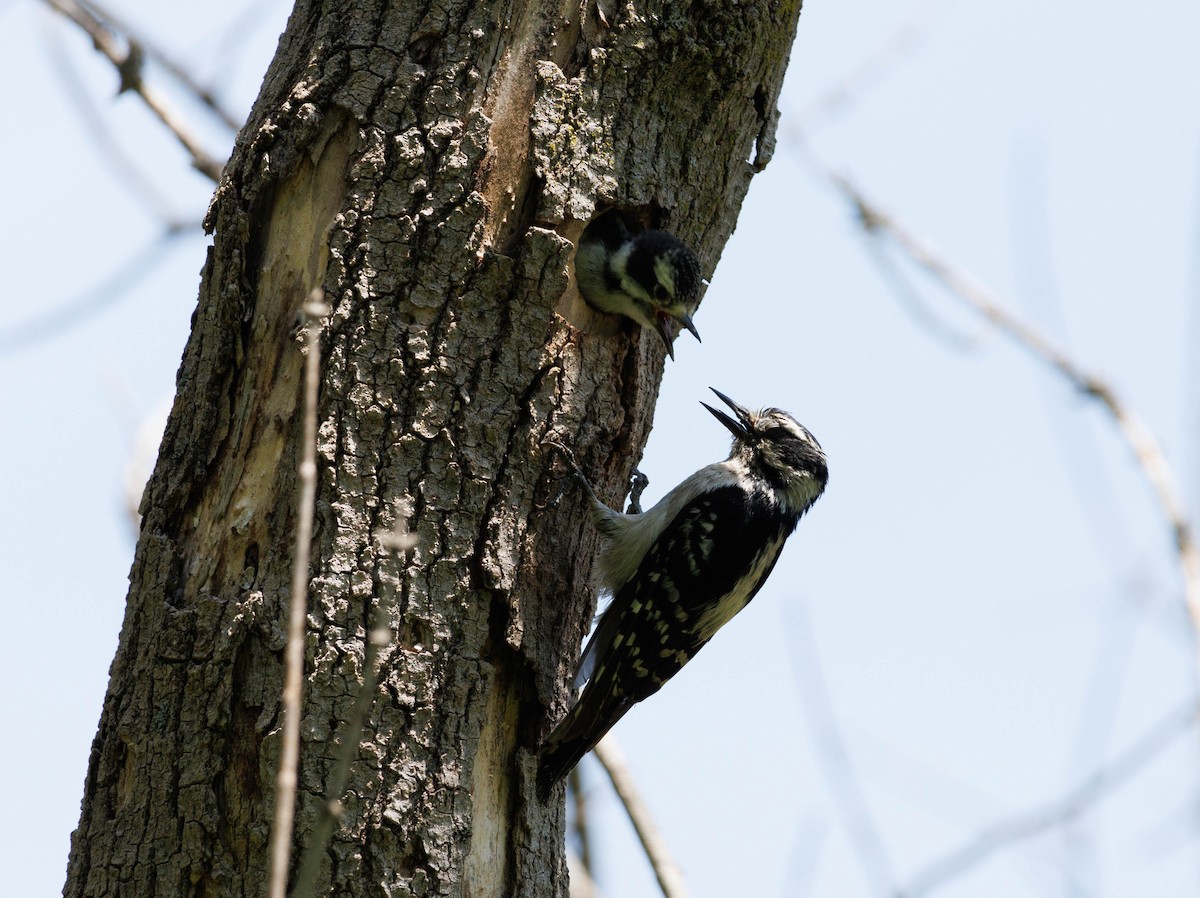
{"points": [[987, 589]]}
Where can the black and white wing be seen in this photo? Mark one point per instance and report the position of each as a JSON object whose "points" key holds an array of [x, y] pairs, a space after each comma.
{"points": [[704, 567]]}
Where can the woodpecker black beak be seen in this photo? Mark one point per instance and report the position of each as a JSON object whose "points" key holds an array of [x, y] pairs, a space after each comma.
{"points": [[739, 428], [686, 320], [666, 330]]}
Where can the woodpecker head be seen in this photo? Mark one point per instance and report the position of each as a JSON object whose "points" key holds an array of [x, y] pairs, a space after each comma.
{"points": [[662, 277], [649, 276], [778, 448]]}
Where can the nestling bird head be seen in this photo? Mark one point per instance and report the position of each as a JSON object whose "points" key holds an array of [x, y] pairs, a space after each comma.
{"points": [[774, 444], [662, 277]]}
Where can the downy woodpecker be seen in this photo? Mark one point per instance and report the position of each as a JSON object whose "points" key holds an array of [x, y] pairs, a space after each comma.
{"points": [[680, 571], [649, 276]]}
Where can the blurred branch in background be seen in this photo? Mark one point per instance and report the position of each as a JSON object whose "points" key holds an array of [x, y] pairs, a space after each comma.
{"points": [[174, 68], [48, 325], [1036, 295], [1097, 721], [666, 871], [224, 46], [128, 61], [316, 311], [1141, 440], [808, 853], [834, 759], [397, 540], [378, 635], [130, 172], [579, 823], [911, 301], [1058, 812], [936, 790]]}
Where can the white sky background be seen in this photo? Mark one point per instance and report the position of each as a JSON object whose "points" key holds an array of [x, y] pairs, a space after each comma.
{"points": [[986, 594]]}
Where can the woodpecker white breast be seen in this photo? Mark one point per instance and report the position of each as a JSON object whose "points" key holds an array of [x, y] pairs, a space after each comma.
{"points": [[683, 569], [649, 276]]}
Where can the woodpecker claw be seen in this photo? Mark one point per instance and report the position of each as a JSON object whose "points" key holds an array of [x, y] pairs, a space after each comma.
{"points": [[637, 485], [576, 472]]}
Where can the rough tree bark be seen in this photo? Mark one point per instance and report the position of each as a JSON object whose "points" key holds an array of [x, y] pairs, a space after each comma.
{"points": [[429, 165]]}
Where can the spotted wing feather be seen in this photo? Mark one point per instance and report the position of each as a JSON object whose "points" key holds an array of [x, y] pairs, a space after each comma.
{"points": [[704, 567]]}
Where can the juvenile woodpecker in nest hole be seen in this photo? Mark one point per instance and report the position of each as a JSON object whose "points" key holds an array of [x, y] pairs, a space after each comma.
{"points": [[649, 276]]}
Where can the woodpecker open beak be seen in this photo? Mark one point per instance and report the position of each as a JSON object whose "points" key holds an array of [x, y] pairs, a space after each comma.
{"points": [[666, 329], [666, 332], [739, 428], [686, 320]]}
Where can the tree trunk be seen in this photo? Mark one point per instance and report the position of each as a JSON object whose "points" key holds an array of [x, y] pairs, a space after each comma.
{"points": [[430, 166]]}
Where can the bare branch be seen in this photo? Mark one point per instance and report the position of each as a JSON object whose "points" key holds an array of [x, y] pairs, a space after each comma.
{"points": [[1137, 434], [582, 884], [289, 758], [128, 62], [127, 170], [837, 766], [580, 823], [670, 880], [62, 317], [176, 70], [1056, 813]]}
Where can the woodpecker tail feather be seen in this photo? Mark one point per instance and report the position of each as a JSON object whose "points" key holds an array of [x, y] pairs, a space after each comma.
{"points": [[585, 725], [556, 761]]}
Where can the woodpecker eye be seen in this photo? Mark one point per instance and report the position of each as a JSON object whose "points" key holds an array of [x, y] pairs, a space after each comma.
{"points": [[661, 292]]}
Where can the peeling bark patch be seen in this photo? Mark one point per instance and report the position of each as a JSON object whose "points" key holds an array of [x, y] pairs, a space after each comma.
{"points": [[488, 868], [294, 258], [506, 170]]}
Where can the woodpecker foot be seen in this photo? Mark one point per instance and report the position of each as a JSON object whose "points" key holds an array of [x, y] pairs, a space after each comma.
{"points": [[576, 472], [637, 485]]}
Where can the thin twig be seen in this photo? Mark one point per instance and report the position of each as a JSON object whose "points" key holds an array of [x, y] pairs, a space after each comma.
{"points": [[582, 884], [580, 823], [128, 62], [1137, 434], [63, 316], [289, 759], [1060, 811], [397, 539], [670, 880], [175, 69], [837, 765]]}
